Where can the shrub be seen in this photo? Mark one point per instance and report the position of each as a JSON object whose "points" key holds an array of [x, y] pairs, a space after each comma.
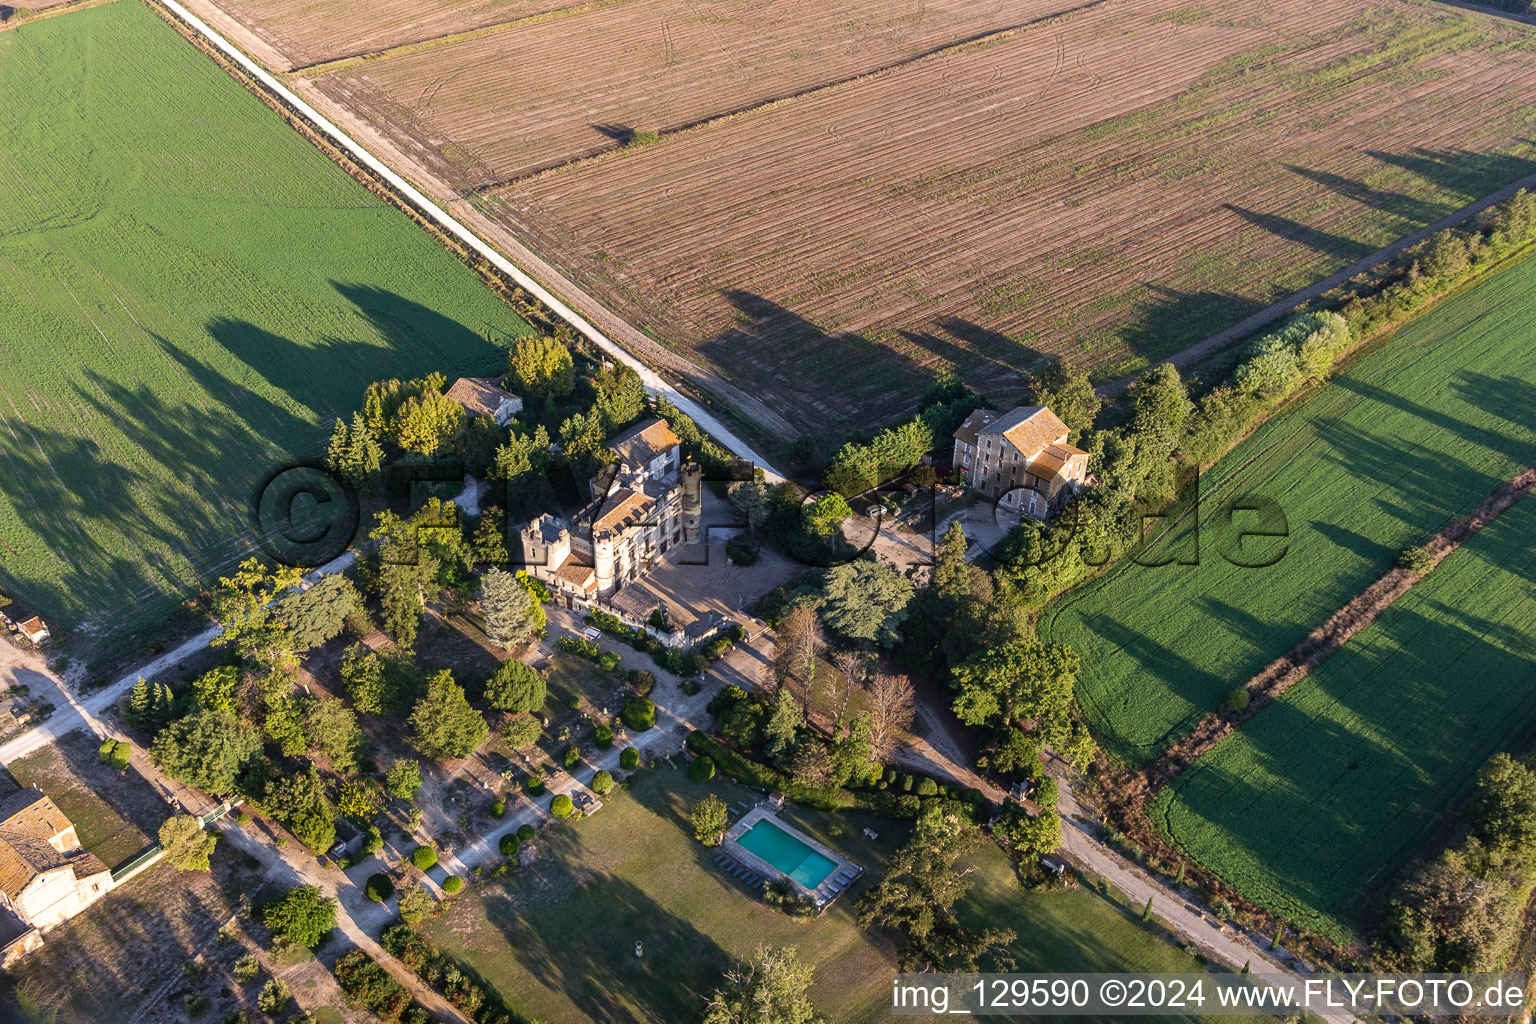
{"points": [[115, 753], [927, 787], [629, 759], [572, 756], [246, 968], [509, 844], [742, 550], [602, 736], [274, 998], [602, 783], [890, 775], [561, 806], [498, 808], [761, 776], [424, 857], [303, 914], [727, 698], [371, 986], [1416, 559], [521, 731], [639, 713], [379, 888], [452, 884], [416, 903], [702, 769], [579, 646], [573, 701], [906, 783], [242, 818], [692, 686], [535, 785], [525, 833], [195, 1006], [609, 660], [1238, 698], [642, 681]]}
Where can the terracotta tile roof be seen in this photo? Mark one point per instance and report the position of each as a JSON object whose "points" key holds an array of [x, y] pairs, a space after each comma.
{"points": [[621, 507], [480, 396], [23, 858], [1029, 428], [1053, 458], [974, 422], [581, 576], [644, 441], [32, 626], [31, 813], [87, 864]]}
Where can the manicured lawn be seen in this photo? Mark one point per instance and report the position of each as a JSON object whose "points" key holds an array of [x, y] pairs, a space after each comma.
{"points": [[1326, 793], [189, 292], [557, 937], [1405, 440]]}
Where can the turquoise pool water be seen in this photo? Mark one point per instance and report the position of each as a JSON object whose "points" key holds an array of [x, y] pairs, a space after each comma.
{"points": [[787, 853]]}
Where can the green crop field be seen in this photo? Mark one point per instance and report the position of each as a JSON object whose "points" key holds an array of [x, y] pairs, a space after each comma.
{"points": [[1327, 792], [1408, 438], [189, 292]]}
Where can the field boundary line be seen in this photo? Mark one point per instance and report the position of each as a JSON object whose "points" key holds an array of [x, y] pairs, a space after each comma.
{"points": [[978, 41], [337, 65], [354, 150], [1255, 322], [1324, 641]]}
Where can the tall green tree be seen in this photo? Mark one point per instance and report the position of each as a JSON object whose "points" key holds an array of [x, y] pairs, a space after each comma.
{"points": [[303, 914], [866, 600], [917, 897], [444, 724], [187, 846], [318, 614], [512, 617], [299, 801], [771, 988], [1067, 392], [516, 686], [784, 722], [1021, 678], [541, 366], [216, 689], [241, 604], [207, 750], [333, 731]]}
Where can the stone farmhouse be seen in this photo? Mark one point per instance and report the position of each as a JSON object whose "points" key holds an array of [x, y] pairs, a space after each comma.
{"points": [[1020, 459], [45, 877], [644, 504], [483, 397]]}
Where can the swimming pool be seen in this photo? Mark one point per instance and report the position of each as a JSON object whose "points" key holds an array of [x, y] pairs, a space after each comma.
{"points": [[788, 854]]}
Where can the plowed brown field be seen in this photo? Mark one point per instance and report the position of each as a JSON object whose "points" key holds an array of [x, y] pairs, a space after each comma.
{"points": [[311, 31], [504, 105], [904, 186]]}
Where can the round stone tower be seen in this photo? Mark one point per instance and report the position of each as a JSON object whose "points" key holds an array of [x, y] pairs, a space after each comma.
{"points": [[693, 503]]}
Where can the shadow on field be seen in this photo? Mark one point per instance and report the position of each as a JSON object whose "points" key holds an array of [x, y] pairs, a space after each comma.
{"points": [[1173, 319], [1452, 168], [1341, 248], [586, 949], [814, 375], [986, 359]]}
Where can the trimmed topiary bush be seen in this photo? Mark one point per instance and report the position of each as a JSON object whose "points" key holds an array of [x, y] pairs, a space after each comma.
{"points": [[379, 887], [498, 808], [609, 660], [906, 783], [424, 857], [702, 769], [692, 686], [642, 681], [525, 833], [452, 884], [639, 713], [509, 845], [535, 785], [927, 787], [602, 783], [629, 759], [602, 736], [561, 806], [572, 756]]}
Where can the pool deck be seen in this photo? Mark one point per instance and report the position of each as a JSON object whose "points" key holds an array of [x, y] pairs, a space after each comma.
{"points": [[837, 881]]}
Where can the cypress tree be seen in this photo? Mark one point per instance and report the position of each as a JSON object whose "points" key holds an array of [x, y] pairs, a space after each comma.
{"points": [[1146, 913], [1179, 878], [139, 705], [337, 452], [365, 459]]}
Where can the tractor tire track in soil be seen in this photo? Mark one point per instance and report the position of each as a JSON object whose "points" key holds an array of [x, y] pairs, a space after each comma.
{"points": [[1294, 666]]}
